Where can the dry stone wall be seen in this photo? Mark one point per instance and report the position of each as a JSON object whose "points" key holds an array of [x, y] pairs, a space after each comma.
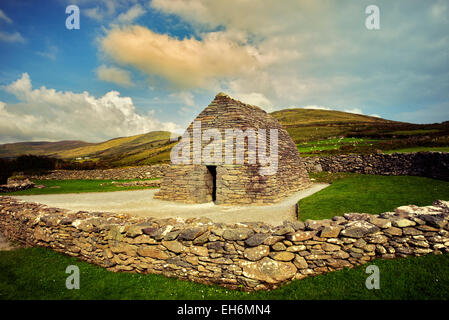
{"points": [[427, 164], [250, 256], [16, 185], [140, 172]]}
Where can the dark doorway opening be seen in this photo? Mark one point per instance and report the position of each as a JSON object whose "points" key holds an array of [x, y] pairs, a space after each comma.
{"points": [[213, 172]]}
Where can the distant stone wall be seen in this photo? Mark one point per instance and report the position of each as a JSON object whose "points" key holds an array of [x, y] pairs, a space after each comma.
{"points": [[250, 256], [140, 172], [427, 164], [16, 185]]}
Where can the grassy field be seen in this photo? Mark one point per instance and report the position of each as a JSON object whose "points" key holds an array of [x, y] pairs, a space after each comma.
{"points": [[75, 186], [312, 147], [369, 193], [39, 273]]}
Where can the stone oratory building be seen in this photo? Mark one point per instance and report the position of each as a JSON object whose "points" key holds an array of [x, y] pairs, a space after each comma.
{"points": [[234, 182]]}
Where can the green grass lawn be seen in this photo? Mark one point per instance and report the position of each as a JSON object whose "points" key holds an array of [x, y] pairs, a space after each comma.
{"points": [[75, 186], [310, 148], [369, 194], [39, 273]]}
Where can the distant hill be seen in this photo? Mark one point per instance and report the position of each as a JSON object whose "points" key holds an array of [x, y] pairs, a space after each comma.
{"points": [[38, 148], [145, 148], [303, 125], [310, 124], [315, 116]]}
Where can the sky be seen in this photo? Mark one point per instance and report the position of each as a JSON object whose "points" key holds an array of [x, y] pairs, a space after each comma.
{"points": [[138, 66]]}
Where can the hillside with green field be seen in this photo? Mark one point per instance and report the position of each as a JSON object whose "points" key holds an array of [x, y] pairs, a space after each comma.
{"points": [[140, 149], [327, 132], [316, 133]]}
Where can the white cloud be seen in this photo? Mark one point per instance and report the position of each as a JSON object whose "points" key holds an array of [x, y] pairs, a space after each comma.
{"points": [[115, 75], [185, 63], [242, 15], [101, 10], [314, 107], [94, 13], [4, 17], [47, 114], [50, 52], [440, 11], [354, 110], [11, 37], [132, 14], [256, 99], [185, 97]]}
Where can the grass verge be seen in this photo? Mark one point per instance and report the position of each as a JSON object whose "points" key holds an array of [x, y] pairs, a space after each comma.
{"points": [[75, 186], [39, 273], [350, 192]]}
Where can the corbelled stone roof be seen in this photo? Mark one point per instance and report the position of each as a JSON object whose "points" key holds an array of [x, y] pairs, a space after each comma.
{"points": [[225, 112]]}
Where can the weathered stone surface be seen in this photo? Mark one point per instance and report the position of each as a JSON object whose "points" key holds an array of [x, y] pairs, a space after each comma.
{"points": [[410, 231], [256, 239], [317, 256], [202, 239], [297, 225], [330, 247], [129, 250], [142, 239], [279, 246], [340, 255], [272, 240], [300, 262], [434, 221], [256, 253], [394, 231], [237, 234], [380, 222], [191, 233], [358, 229], [157, 233], [296, 248], [316, 225], [282, 256], [330, 232], [152, 252], [280, 231], [174, 246], [402, 223], [199, 251], [268, 270], [300, 235], [134, 231]]}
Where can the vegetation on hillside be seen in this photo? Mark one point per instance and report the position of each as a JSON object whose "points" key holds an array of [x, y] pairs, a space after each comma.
{"points": [[316, 132]]}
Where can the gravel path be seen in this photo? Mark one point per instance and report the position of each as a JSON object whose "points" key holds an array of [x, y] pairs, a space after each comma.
{"points": [[141, 203]]}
